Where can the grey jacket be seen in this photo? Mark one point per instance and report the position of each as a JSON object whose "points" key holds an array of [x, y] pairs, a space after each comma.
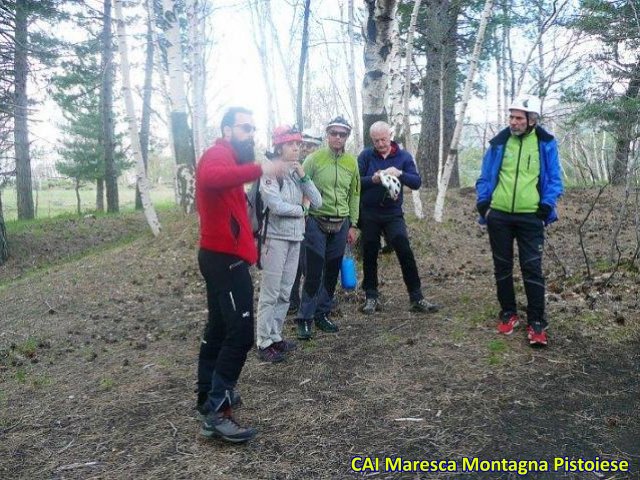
{"points": [[284, 199]]}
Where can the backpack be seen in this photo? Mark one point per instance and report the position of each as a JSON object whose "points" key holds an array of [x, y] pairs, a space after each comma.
{"points": [[258, 216]]}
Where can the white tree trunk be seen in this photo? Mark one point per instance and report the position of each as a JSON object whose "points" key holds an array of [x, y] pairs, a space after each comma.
{"points": [[378, 46], [182, 139], [396, 87], [198, 74], [455, 140], [143, 182], [408, 139]]}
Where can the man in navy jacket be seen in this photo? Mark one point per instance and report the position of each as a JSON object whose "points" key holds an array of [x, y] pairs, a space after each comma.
{"points": [[381, 213]]}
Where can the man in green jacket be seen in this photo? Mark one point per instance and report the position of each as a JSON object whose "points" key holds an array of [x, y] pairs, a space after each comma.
{"points": [[329, 228], [517, 191]]}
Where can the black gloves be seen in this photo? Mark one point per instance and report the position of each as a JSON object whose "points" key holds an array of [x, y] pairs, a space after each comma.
{"points": [[544, 211], [482, 208]]}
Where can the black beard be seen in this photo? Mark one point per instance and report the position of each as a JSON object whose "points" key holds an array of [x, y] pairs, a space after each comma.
{"points": [[245, 152]]}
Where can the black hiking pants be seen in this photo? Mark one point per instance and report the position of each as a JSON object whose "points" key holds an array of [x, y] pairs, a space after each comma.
{"points": [[228, 335], [528, 231], [372, 225]]}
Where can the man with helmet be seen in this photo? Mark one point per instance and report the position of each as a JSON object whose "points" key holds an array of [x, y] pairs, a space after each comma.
{"points": [[384, 169], [517, 191], [329, 228], [311, 141], [227, 249], [284, 231]]}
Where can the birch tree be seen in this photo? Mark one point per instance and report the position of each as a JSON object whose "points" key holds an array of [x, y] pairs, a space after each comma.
{"points": [[182, 139], [451, 158], [196, 14], [378, 36], [408, 139], [141, 174]]}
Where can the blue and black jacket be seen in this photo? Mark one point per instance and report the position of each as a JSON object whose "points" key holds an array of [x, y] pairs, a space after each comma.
{"points": [[550, 181], [374, 197]]}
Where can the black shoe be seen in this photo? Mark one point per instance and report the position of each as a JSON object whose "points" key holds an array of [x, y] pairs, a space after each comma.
{"points": [[304, 329], [423, 306], [285, 346], [271, 354], [236, 402], [371, 305], [323, 323], [222, 425]]}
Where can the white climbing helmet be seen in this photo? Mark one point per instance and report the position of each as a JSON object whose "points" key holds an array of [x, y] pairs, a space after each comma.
{"points": [[392, 184], [526, 103]]}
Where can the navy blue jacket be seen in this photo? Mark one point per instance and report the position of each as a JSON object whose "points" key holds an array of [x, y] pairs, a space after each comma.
{"points": [[374, 197], [550, 183]]}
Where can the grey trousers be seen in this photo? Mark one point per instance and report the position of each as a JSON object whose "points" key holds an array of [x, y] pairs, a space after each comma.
{"points": [[279, 267]]}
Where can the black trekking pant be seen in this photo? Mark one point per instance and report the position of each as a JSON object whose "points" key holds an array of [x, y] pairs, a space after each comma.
{"points": [[528, 231], [372, 225], [228, 335]]}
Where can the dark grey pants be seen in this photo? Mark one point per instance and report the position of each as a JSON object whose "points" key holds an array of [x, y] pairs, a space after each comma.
{"points": [[528, 232]]}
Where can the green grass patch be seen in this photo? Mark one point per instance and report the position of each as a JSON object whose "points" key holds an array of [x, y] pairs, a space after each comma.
{"points": [[20, 375], [57, 200], [107, 384], [28, 348], [388, 338], [497, 349], [481, 315], [41, 381]]}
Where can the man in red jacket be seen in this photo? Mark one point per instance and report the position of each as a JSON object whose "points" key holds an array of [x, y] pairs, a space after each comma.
{"points": [[227, 248]]}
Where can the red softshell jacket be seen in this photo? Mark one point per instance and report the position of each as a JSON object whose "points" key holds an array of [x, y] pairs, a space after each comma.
{"points": [[221, 202]]}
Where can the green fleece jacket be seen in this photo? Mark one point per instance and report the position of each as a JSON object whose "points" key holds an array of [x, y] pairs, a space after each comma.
{"points": [[338, 180], [517, 189]]}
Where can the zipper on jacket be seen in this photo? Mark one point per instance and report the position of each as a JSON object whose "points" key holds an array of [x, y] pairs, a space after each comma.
{"points": [[335, 188], [529, 163], [515, 183]]}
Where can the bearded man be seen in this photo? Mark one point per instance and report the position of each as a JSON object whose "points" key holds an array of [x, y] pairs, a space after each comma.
{"points": [[227, 249]]}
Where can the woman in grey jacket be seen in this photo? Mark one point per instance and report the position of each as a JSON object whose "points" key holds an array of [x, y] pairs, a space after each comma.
{"points": [[284, 198]]}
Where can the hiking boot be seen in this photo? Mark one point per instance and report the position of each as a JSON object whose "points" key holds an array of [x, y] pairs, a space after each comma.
{"points": [[508, 321], [222, 425], [371, 305], [270, 354], [285, 346], [304, 329], [424, 306], [323, 323], [537, 336], [236, 402]]}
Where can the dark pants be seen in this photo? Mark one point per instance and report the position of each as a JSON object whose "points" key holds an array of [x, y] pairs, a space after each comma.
{"points": [[228, 335], [528, 231], [324, 254], [395, 230], [294, 299]]}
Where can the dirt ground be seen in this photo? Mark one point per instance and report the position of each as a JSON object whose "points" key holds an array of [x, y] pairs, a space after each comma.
{"points": [[98, 351]]}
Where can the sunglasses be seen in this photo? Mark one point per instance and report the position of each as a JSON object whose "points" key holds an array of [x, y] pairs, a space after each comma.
{"points": [[246, 127], [333, 133]]}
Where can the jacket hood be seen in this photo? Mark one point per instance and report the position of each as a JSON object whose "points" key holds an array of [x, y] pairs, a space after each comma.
{"points": [[502, 137]]}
